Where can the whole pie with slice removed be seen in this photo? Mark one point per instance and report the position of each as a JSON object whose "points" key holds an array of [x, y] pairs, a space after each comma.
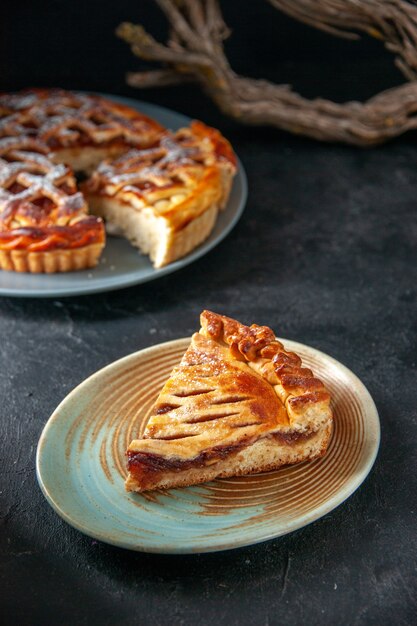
{"points": [[161, 190], [238, 403]]}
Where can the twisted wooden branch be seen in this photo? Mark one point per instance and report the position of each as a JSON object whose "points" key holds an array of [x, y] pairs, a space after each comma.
{"points": [[392, 21], [194, 52]]}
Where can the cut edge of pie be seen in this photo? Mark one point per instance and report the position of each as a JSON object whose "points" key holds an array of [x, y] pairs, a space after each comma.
{"points": [[238, 403], [165, 200]]}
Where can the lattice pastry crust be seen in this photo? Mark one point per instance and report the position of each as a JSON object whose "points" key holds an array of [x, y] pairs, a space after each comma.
{"points": [[166, 198], [44, 221], [77, 129], [44, 224], [163, 191], [238, 403]]}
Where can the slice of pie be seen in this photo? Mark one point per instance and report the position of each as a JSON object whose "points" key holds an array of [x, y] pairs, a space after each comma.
{"points": [[238, 403], [166, 199], [44, 223]]}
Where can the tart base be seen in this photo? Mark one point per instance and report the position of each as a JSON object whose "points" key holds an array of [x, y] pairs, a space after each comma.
{"points": [[51, 261], [151, 234]]}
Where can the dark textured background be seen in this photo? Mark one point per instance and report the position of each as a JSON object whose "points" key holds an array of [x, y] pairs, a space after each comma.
{"points": [[325, 253]]}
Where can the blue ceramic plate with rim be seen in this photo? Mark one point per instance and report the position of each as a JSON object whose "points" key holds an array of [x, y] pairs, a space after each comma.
{"points": [[81, 464], [121, 265]]}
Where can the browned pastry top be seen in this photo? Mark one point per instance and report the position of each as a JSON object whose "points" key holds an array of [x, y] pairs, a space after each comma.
{"points": [[179, 177], [63, 119], [295, 385], [36, 195], [234, 385]]}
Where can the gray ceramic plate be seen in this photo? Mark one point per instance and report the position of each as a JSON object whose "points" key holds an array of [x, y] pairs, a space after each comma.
{"points": [[81, 464], [121, 265]]}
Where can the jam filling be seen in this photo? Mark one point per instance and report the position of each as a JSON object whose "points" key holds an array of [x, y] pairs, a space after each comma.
{"points": [[147, 464], [87, 231], [144, 462]]}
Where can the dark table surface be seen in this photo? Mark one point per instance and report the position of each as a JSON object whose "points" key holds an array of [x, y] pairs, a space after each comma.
{"points": [[325, 254]]}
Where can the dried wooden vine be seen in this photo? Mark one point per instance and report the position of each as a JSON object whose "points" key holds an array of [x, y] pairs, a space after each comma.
{"points": [[195, 52]]}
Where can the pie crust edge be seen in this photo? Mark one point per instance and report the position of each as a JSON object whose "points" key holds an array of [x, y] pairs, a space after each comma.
{"points": [[51, 261]]}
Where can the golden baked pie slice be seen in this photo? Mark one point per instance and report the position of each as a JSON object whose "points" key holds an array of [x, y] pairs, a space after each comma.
{"points": [[77, 129], [44, 224], [238, 403], [165, 199]]}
